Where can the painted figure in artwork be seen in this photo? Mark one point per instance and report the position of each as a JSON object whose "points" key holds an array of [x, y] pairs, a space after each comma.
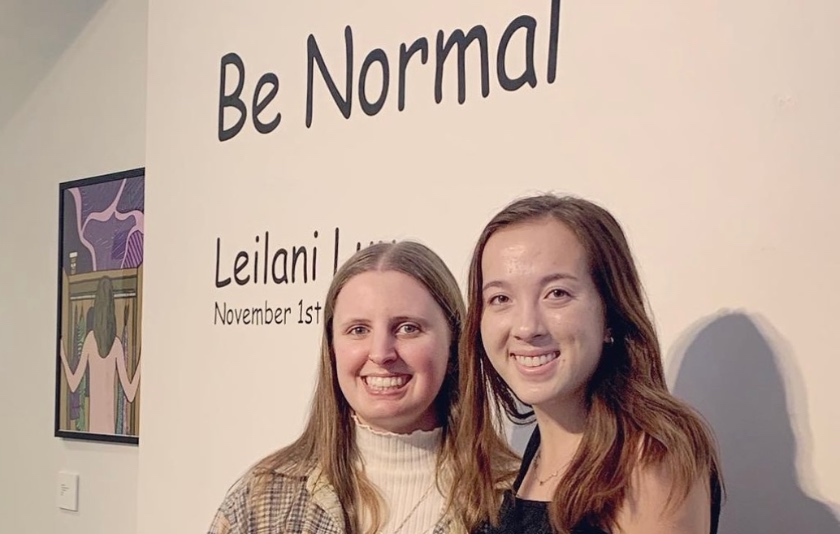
{"points": [[100, 330], [103, 353]]}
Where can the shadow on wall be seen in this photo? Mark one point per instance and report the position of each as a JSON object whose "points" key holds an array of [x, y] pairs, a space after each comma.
{"points": [[732, 373], [518, 436], [34, 34]]}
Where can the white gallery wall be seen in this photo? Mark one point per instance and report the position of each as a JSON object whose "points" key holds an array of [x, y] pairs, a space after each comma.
{"points": [[710, 129], [73, 106]]}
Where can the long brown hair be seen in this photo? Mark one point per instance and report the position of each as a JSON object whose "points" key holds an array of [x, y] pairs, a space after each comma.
{"points": [[632, 418], [328, 440], [104, 317]]}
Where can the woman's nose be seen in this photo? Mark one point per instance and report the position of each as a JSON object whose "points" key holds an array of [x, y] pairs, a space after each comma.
{"points": [[382, 349], [528, 323]]}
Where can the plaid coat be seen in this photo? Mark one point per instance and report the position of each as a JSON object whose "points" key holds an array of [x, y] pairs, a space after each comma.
{"points": [[291, 504]]}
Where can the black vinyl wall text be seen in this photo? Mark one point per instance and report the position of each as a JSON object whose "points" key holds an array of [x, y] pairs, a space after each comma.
{"points": [[235, 106]]}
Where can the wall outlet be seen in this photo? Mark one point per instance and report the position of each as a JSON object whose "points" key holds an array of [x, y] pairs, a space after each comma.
{"points": [[67, 495]]}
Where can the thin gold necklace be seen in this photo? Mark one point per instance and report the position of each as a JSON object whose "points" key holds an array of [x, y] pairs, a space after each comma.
{"points": [[542, 481], [416, 506]]}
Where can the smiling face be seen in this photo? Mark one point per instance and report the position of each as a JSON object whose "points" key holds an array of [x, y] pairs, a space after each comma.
{"points": [[391, 342], [542, 322]]}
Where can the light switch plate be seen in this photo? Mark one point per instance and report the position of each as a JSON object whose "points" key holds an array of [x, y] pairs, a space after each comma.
{"points": [[67, 495]]}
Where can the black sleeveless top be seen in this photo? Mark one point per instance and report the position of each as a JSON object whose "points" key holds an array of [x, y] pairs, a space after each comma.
{"points": [[521, 516]]}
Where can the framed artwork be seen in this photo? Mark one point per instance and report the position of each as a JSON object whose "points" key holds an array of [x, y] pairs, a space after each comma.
{"points": [[100, 303]]}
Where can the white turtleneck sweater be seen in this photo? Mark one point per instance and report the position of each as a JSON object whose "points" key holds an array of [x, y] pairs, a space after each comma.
{"points": [[402, 467]]}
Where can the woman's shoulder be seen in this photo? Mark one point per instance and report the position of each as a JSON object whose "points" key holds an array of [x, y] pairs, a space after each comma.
{"points": [[664, 496], [256, 498]]}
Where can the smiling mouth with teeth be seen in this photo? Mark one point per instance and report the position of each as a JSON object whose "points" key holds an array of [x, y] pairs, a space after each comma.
{"points": [[536, 361], [385, 383]]}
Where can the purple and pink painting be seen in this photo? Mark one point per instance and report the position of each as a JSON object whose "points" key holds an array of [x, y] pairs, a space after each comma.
{"points": [[100, 307]]}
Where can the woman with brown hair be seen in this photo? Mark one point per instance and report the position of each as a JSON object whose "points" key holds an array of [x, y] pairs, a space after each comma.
{"points": [[377, 451], [557, 322], [103, 356]]}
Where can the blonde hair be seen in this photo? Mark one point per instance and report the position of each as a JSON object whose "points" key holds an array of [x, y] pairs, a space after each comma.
{"points": [[328, 440], [628, 400]]}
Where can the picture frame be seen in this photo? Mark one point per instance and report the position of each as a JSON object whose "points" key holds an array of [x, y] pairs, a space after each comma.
{"points": [[101, 229]]}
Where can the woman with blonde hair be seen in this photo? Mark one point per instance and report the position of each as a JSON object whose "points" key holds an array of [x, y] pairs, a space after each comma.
{"points": [[376, 453], [557, 330]]}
